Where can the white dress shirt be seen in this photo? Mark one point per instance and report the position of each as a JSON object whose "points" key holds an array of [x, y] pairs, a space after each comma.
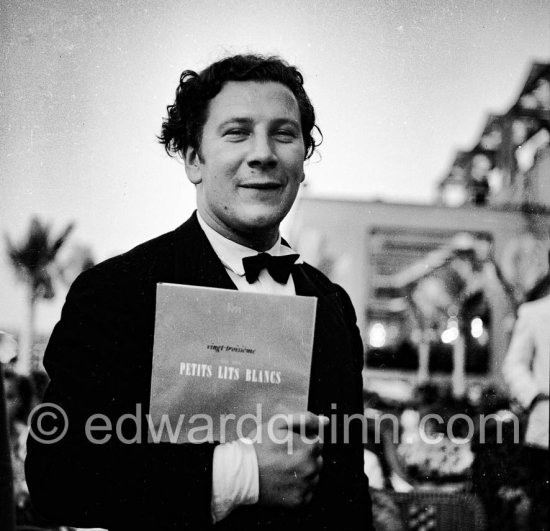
{"points": [[526, 367], [235, 473]]}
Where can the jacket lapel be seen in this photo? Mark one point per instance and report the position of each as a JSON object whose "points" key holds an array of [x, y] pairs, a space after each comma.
{"points": [[302, 283], [195, 262]]}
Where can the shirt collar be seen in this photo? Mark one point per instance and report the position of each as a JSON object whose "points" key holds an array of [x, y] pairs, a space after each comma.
{"points": [[232, 253]]}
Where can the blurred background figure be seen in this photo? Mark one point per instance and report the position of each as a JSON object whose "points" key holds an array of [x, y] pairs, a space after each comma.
{"points": [[381, 463], [21, 393], [526, 371], [19, 400]]}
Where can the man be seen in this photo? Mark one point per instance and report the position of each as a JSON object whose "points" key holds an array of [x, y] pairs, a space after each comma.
{"points": [[243, 127], [526, 371]]}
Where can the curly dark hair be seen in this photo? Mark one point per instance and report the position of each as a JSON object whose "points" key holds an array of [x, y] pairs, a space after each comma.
{"points": [[186, 116]]}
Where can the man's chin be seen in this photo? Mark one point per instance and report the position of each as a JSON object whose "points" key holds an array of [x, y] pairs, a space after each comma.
{"points": [[261, 223], [259, 229]]}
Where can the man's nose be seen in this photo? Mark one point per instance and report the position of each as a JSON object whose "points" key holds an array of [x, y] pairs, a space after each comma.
{"points": [[261, 153]]}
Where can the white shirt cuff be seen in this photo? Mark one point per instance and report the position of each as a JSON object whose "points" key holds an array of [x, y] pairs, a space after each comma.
{"points": [[235, 477]]}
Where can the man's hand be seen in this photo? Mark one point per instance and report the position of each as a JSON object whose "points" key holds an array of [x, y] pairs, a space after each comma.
{"points": [[289, 452]]}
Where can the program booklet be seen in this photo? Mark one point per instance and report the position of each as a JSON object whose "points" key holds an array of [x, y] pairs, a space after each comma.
{"points": [[226, 361]]}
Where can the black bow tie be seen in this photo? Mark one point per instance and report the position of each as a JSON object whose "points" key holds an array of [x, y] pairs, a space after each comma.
{"points": [[279, 267]]}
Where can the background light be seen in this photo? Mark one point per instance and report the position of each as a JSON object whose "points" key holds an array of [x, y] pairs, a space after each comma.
{"points": [[377, 335], [449, 335], [476, 327]]}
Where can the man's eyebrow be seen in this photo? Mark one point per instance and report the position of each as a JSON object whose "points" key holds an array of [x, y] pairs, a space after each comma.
{"points": [[247, 121], [236, 120], [289, 121]]}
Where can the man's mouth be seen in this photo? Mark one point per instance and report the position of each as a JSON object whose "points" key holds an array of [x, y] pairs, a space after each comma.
{"points": [[263, 185]]}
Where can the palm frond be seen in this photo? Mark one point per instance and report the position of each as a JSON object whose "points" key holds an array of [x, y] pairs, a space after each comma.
{"points": [[34, 256]]}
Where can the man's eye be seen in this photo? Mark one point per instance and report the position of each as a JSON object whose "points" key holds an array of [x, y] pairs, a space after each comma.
{"points": [[285, 134], [236, 132]]}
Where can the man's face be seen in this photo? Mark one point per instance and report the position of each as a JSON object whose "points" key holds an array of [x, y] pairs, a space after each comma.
{"points": [[251, 161]]}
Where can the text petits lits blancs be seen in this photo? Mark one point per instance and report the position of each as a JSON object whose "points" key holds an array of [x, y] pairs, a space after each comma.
{"points": [[228, 372]]}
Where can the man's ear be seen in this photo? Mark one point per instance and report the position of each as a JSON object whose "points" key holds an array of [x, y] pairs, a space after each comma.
{"points": [[303, 177], [193, 165]]}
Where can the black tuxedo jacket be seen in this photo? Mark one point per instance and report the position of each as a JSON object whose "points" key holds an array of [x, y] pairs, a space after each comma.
{"points": [[99, 361]]}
